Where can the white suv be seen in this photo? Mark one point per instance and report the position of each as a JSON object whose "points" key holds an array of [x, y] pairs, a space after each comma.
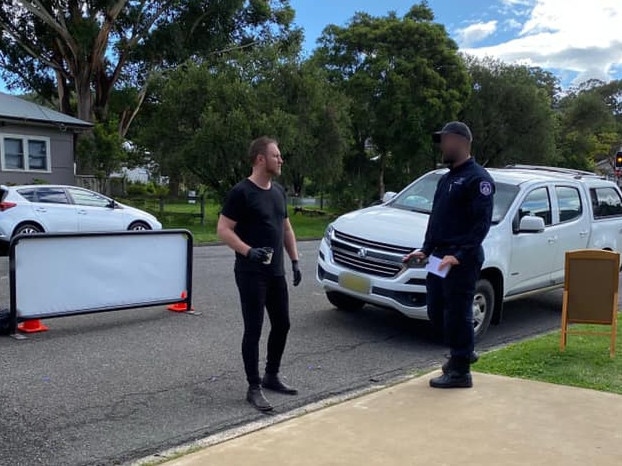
{"points": [[539, 214]]}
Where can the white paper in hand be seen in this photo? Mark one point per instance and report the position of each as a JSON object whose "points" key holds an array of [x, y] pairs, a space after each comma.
{"points": [[433, 267]]}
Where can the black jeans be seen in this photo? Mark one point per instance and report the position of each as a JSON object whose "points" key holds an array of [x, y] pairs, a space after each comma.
{"points": [[450, 305], [259, 292]]}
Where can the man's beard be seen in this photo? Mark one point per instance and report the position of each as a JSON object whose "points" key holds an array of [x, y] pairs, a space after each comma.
{"points": [[449, 158], [275, 172]]}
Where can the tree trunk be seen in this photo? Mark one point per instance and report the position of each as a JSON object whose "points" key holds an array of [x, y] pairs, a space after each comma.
{"points": [[174, 182], [84, 97], [298, 184], [103, 89], [64, 95]]}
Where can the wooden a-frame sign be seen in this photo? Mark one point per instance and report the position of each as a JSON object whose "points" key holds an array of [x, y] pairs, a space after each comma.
{"points": [[591, 292]]}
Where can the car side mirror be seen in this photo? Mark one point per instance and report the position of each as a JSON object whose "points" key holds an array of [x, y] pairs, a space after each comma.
{"points": [[388, 196], [531, 224], [112, 204]]}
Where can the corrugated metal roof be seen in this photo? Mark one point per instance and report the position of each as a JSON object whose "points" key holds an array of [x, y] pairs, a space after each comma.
{"points": [[14, 108]]}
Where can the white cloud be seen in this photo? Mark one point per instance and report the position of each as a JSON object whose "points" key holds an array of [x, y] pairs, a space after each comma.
{"points": [[513, 24], [516, 2], [476, 32], [566, 35]]}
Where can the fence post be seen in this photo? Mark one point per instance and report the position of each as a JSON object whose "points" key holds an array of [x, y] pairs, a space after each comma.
{"points": [[202, 210]]}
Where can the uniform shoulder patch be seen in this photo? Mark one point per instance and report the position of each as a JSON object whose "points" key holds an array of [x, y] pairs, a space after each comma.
{"points": [[485, 187]]}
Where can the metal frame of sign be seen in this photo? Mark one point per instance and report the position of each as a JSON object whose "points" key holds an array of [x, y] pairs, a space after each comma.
{"points": [[14, 319]]}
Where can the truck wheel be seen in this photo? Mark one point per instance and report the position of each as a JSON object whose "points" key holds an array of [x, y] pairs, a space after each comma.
{"points": [[483, 307], [344, 302]]}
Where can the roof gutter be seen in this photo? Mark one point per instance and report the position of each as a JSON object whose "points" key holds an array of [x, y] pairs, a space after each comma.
{"points": [[62, 126]]}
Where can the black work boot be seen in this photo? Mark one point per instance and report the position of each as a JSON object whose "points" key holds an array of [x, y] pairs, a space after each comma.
{"points": [[445, 367], [273, 382], [458, 375], [256, 397]]}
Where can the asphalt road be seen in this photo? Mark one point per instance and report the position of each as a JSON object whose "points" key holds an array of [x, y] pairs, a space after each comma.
{"points": [[107, 388]]}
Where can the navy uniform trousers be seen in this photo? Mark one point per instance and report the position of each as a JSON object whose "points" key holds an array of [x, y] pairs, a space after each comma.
{"points": [[450, 304]]}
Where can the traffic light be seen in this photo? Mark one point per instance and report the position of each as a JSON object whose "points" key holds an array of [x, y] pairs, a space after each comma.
{"points": [[618, 162]]}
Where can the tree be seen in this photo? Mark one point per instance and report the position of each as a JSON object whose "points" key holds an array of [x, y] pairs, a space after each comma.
{"points": [[104, 151], [404, 78], [198, 117], [312, 126], [510, 113], [202, 117], [63, 49], [589, 131]]}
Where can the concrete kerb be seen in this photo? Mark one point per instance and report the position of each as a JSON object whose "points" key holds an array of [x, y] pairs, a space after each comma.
{"points": [[255, 426]]}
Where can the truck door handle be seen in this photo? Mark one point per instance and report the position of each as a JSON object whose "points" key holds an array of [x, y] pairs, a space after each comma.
{"points": [[41, 209], [552, 239], [583, 234], [82, 212]]}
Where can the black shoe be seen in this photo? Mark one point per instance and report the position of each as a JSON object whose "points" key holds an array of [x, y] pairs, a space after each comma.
{"points": [[452, 379], [447, 366], [274, 383], [256, 397]]}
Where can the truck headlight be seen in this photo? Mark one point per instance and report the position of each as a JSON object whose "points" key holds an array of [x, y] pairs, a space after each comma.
{"points": [[328, 234]]}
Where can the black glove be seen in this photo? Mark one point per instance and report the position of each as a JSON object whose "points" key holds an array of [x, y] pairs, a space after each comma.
{"points": [[257, 255], [297, 273]]}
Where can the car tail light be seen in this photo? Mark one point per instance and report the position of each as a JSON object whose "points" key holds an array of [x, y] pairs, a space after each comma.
{"points": [[6, 205]]}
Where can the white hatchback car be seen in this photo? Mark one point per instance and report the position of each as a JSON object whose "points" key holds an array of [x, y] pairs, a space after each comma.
{"points": [[61, 209]]}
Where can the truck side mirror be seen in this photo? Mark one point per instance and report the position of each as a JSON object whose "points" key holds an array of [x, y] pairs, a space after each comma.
{"points": [[531, 224], [388, 196]]}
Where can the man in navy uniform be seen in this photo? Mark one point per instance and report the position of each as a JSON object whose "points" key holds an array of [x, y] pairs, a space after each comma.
{"points": [[459, 222]]}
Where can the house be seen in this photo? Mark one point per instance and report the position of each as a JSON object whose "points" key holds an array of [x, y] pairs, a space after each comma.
{"points": [[36, 143]]}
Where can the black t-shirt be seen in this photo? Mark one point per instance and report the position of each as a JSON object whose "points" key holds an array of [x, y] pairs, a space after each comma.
{"points": [[259, 214]]}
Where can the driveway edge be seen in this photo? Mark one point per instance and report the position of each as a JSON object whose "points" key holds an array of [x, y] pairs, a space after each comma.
{"points": [[230, 434]]}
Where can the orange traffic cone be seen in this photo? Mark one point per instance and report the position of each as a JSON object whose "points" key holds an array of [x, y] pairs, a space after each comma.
{"points": [[180, 307], [32, 326]]}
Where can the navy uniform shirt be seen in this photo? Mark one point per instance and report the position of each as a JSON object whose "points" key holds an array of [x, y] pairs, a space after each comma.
{"points": [[461, 213]]}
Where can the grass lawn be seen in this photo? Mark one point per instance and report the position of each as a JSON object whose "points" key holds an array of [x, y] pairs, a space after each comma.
{"points": [[585, 362], [180, 215]]}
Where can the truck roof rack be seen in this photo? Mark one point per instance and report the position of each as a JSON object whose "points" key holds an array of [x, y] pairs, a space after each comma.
{"points": [[578, 174]]}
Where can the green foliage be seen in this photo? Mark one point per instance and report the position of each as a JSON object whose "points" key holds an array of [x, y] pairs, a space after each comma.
{"points": [[138, 190], [191, 82], [312, 123], [510, 113], [103, 150], [404, 78], [589, 130], [207, 114], [56, 49]]}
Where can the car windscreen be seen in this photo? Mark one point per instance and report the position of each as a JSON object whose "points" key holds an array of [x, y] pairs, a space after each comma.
{"points": [[419, 196]]}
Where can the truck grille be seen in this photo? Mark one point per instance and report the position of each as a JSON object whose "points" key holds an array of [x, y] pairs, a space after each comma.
{"points": [[366, 256]]}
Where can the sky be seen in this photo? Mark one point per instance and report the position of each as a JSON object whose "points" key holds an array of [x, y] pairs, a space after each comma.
{"points": [[577, 40]]}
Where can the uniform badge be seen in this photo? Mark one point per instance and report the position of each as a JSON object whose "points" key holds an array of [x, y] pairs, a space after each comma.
{"points": [[485, 188]]}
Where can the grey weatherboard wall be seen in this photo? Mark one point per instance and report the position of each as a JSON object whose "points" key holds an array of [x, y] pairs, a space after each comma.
{"points": [[23, 118], [61, 155]]}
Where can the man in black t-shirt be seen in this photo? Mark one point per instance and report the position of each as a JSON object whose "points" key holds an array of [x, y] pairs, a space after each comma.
{"points": [[254, 223]]}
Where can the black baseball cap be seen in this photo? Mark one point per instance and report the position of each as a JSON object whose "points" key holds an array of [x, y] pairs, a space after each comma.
{"points": [[454, 127]]}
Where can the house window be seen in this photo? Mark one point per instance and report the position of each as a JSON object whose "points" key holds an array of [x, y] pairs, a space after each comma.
{"points": [[25, 153]]}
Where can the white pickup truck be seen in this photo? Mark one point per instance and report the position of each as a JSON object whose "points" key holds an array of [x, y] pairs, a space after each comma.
{"points": [[539, 214]]}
